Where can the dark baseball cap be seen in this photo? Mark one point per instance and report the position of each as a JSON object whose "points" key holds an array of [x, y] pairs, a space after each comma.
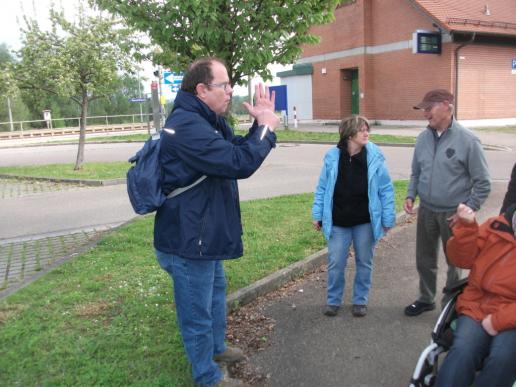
{"points": [[433, 96]]}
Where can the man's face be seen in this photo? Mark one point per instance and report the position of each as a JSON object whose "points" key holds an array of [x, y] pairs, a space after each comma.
{"points": [[438, 115], [217, 94]]}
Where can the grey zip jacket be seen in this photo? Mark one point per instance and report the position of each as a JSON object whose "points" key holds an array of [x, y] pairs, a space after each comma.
{"points": [[449, 170]]}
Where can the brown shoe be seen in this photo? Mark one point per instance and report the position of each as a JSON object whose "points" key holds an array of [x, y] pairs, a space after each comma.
{"points": [[331, 310], [230, 355], [359, 310], [228, 381]]}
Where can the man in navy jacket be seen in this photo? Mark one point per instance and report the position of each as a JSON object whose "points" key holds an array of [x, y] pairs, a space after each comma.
{"points": [[196, 230]]}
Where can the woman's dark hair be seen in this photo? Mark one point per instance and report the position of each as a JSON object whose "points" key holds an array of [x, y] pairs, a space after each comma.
{"points": [[199, 72], [349, 127]]}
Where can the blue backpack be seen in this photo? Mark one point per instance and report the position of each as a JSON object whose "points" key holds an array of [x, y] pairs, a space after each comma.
{"points": [[144, 179]]}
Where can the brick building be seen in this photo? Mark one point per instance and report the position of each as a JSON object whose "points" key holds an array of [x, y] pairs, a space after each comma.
{"points": [[379, 57]]}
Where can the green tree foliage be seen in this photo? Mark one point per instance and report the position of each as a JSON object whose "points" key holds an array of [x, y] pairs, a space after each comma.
{"points": [[117, 103], [77, 60], [237, 106], [11, 97], [247, 35]]}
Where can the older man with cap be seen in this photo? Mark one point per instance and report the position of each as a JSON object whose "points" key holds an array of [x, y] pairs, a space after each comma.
{"points": [[448, 168]]}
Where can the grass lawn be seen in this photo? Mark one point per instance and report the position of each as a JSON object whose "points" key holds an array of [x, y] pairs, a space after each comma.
{"points": [[89, 171], [107, 317], [283, 135], [118, 169], [511, 129]]}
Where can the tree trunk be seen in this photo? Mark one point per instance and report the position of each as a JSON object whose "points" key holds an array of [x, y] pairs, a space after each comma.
{"points": [[82, 131]]}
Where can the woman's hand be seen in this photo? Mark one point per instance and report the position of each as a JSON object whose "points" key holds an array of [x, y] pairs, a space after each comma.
{"points": [[466, 214], [487, 324], [317, 225]]}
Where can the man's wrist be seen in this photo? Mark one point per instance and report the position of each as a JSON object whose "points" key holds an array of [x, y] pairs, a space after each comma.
{"points": [[263, 129]]}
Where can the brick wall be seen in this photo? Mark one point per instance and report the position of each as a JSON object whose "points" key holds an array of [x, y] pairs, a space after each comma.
{"points": [[487, 89], [392, 82]]}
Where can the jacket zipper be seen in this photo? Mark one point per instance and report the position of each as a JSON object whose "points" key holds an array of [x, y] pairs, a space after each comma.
{"points": [[203, 223]]}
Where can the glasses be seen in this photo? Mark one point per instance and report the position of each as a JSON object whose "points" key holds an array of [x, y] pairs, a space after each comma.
{"points": [[224, 85]]}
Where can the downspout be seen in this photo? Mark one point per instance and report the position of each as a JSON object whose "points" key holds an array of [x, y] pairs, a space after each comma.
{"points": [[456, 86]]}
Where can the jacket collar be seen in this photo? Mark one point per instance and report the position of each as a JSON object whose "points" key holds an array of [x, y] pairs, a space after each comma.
{"points": [[190, 102], [453, 125]]}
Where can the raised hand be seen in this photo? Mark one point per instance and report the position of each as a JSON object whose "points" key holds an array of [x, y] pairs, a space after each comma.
{"points": [[263, 109]]}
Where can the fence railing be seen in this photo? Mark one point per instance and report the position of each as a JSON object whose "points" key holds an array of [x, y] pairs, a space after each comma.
{"points": [[55, 123]]}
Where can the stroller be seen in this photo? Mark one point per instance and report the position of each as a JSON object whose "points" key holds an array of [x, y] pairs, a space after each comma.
{"points": [[427, 366]]}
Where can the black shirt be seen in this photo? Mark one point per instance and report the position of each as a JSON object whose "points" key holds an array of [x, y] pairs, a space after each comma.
{"points": [[350, 198]]}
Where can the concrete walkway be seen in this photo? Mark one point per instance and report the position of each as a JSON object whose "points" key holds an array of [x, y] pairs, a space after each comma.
{"points": [[309, 349]]}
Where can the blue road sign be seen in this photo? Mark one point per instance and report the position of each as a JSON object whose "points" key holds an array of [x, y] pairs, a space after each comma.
{"points": [[514, 64], [281, 97], [138, 99], [170, 78]]}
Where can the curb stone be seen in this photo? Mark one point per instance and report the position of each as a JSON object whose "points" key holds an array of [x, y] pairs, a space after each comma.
{"points": [[94, 183], [279, 278]]}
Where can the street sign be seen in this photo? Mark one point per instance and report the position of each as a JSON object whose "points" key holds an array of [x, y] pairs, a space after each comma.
{"points": [[175, 88], [281, 97], [138, 99], [170, 78]]}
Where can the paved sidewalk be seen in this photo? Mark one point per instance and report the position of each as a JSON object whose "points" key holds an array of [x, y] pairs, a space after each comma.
{"points": [[309, 349], [17, 187], [24, 260]]}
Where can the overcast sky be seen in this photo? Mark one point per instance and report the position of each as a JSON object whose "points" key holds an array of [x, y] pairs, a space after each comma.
{"points": [[11, 16], [12, 12]]}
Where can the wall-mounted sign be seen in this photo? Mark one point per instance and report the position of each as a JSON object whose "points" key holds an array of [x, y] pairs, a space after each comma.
{"points": [[426, 42], [513, 71]]}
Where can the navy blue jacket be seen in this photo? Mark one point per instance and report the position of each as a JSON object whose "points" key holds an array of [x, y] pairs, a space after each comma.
{"points": [[204, 221]]}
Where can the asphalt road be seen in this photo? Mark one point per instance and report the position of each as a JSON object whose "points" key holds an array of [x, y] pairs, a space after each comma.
{"points": [[290, 168]]}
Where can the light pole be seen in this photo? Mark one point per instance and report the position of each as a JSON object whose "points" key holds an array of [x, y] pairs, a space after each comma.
{"points": [[10, 113], [140, 96]]}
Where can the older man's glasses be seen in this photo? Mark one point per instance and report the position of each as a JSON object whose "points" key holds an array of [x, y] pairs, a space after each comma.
{"points": [[224, 85]]}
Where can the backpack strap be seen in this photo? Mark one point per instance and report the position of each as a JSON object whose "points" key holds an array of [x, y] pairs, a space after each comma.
{"points": [[178, 191]]}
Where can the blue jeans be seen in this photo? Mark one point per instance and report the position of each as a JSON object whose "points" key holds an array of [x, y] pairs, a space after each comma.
{"points": [[472, 345], [200, 298], [338, 251]]}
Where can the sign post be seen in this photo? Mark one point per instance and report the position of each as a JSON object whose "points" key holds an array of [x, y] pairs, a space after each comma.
{"points": [[156, 106], [48, 118]]}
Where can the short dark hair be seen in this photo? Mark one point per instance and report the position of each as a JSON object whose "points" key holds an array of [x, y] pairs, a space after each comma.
{"points": [[199, 72]]}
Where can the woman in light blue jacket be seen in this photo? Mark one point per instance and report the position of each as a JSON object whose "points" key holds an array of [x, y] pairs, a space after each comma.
{"points": [[353, 202]]}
